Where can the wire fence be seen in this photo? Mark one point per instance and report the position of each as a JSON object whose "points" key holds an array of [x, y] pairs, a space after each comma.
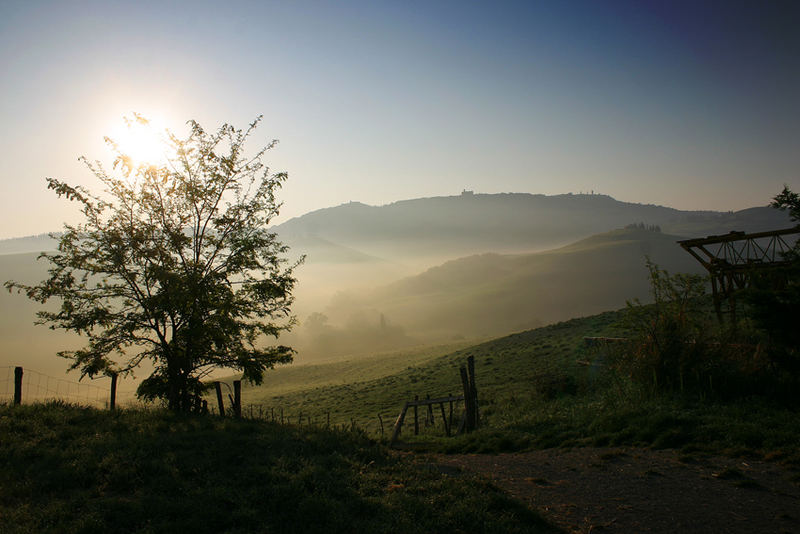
{"points": [[314, 417], [39, 387]]}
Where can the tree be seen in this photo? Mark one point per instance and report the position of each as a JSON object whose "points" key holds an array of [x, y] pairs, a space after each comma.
{"points": [[174, 264], [774, 299], [670, 344], [787, 200]]}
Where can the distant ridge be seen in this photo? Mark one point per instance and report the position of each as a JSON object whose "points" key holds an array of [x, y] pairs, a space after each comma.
{"points": [[453, 226], [506, 222], [24, 245]]}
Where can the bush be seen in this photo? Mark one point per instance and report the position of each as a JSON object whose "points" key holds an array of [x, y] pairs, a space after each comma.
{"points": [[677, 345]]}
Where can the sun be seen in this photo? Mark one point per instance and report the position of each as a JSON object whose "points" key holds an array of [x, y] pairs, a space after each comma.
{"points": [[142, 140]]}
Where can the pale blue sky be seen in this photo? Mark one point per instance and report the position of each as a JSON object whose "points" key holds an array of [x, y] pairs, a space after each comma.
{"points": [[691, 106]]}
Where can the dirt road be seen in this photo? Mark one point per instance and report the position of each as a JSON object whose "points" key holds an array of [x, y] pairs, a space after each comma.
{"points": [[628, 490]]}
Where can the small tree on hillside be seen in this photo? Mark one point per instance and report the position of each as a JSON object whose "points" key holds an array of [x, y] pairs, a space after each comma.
{"points": [[670, 344], [174, 264]]}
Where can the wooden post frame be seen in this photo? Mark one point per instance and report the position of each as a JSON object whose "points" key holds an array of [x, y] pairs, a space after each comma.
{"points": [[416, 418], [467, 399], [398, 425], [112, 404], [220, 401], [426, 403], [237, 398], [444, 420], [450, 421], [17, 385], [473, 391]]}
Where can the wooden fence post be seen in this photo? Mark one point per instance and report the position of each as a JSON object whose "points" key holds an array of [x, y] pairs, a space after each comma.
{"points": [[237, 398], [18, 385], [467, 399], [113, 401], [398, 425], [416, 418], [451, 410], [473, 391], [221, 402], [444, 420]]}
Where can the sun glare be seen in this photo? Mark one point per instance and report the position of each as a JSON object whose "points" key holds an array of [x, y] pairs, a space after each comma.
{"points": [[143, 140]]}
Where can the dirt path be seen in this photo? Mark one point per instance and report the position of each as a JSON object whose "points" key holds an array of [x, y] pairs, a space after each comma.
{"points": [[626, 490]]}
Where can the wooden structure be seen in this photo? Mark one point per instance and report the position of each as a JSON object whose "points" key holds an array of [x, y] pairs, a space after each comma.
{"points": [[18, 385], [733, 259], [236, 399], [112, 404], [470, 418]]}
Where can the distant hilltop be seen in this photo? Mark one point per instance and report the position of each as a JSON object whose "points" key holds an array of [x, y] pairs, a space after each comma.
{"points": [[505, 222], [27, 244], [472, 222]]}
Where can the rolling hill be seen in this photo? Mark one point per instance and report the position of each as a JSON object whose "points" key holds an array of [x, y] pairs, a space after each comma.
{"points": [[492, 294], [431, 230]]}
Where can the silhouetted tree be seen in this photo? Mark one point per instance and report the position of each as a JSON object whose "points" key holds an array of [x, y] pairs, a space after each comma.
{"points": [[774, 298], [787, 200], [174, 264]]}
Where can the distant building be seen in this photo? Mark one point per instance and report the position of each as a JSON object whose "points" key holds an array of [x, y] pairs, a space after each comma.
{"points": [[467, 193]]}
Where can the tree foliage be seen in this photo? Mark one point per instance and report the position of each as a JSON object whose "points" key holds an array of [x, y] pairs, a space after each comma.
{"points": [[671, 343], [676, 345], [788, 200], [175, 264], [774, 299]]}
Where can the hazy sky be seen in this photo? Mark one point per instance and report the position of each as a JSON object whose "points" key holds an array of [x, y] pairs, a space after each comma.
{"points": [[675, 103]]}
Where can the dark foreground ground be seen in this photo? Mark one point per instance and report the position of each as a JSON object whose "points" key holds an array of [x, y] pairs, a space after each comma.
{"points": [[623, 490]]}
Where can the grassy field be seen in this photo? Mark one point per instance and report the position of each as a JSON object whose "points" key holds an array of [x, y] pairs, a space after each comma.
{"points": [[540, 388], [70, 469], [289, 379], [514, 366]]}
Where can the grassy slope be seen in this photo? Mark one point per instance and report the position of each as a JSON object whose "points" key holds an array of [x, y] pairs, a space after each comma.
{"points": [[512, 364], [293, 378], [67, 469], [536, 391]]}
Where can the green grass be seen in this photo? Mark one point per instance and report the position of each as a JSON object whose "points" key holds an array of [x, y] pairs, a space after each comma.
{"points": [[537, 391], [299, 378], [70, 469], [540, 362]]}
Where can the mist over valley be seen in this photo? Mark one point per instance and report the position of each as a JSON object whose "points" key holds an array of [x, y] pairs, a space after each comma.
{"points": [[435, 270]]}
